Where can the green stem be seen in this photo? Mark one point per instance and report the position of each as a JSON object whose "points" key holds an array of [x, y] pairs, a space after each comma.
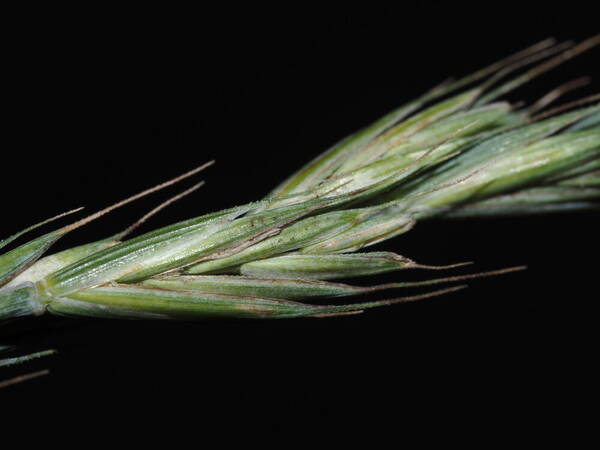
{"points": [[20, 301]]}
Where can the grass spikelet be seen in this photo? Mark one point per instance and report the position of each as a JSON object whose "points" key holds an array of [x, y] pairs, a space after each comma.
{"points": [[449, 153]]}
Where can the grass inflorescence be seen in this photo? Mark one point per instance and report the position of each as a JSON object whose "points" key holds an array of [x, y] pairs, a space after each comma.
{"points": [[459, 150]]}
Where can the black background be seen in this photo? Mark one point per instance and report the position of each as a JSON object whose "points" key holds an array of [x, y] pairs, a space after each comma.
{"points": [[101, 105]]}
